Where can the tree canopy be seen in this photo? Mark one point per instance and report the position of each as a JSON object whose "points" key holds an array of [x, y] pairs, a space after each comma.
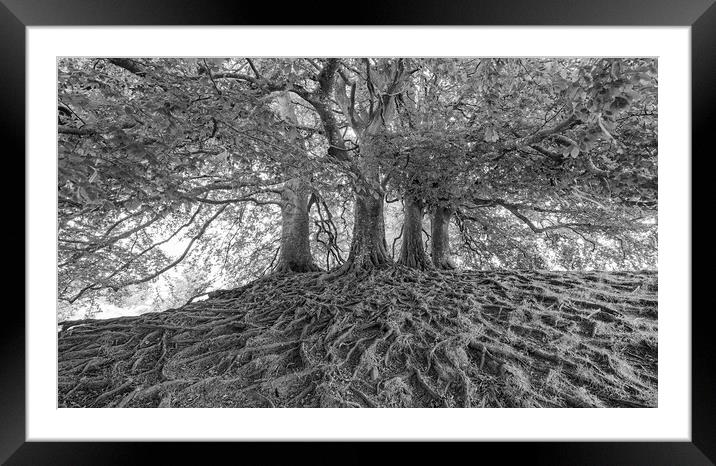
{"points": [[206, 170]]}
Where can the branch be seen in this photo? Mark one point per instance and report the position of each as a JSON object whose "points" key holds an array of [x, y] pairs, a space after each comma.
{"points": [[98, 286], [128, 64], [253, 68], [184, 254], [266, 85], [319, 100], [556, 156], [208, 72], [544, 133], [537, 229], [63, 129], [106, 240], [234, 200], [321, 103], [347, 102], [502, 203], [154, 245]]}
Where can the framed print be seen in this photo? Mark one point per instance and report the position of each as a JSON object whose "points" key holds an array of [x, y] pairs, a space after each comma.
{"points": [[480, 208]]}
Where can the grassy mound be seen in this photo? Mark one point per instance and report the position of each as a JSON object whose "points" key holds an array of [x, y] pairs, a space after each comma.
{"points": [[393, 338]]}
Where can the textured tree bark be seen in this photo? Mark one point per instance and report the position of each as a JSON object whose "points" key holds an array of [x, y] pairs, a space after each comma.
{"points": [[440, 226], [412, 252], [295, 254], [368, 246]]}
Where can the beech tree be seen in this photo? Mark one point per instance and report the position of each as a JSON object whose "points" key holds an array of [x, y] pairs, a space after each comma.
{"points": [[367, 232], [516, 162], [520, 138]]}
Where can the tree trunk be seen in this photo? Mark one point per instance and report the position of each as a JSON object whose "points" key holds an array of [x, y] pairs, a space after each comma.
{"points": [[295, 254], [412, 252], [368, 246], [440, 225]]}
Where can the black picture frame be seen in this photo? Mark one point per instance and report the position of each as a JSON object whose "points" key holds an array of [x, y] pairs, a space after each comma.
{"points": [[700, 15]]}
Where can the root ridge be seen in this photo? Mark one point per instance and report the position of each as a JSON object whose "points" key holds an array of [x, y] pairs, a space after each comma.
{"points": [[396, 337]]}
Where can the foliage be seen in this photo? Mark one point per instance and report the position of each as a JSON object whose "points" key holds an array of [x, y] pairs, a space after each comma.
{"points": [[174, 166], [566, 148]]}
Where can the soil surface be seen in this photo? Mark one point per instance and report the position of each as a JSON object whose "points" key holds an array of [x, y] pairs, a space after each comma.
{"points": [[392, 338]]}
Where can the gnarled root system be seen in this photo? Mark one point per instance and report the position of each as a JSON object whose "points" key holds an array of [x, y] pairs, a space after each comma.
{"points": [[396, 338]]}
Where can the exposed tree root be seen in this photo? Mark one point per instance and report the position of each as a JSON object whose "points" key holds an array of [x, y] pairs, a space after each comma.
{"points": [[285, 267], [395, 338], [445, 263]]}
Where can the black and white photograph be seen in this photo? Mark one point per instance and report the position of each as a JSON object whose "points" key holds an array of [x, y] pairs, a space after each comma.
{"points": [[357, 232]]}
